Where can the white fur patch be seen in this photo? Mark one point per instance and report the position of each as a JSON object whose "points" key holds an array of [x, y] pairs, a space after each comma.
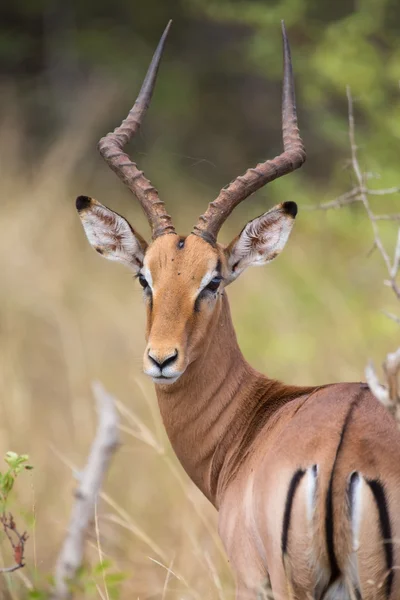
{"points": [[206, 280], [356, 512], [311, 492], [261, 240], [338, 591], [356, 515], [111, 235], [147, 275]]}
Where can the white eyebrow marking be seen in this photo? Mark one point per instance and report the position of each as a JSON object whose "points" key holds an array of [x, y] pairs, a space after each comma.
{"points": [[208, 277], [147, 275]]}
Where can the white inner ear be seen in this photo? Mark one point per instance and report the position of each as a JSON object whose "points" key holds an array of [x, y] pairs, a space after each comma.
{"points": [[261, 240], [112, 236]]}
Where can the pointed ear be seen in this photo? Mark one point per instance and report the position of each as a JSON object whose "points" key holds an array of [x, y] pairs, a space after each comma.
{"points": [[110, 234], [262, 239]]}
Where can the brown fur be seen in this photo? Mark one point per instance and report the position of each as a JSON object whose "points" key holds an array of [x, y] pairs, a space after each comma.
{"points": [[242, 437]]}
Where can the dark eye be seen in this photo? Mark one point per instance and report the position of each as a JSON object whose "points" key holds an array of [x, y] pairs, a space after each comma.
{"points": [[214, 284], [143, 281]]}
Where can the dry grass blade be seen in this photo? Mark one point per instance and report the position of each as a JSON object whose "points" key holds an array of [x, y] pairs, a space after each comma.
{"points": [[127, 523], [143, 434]]}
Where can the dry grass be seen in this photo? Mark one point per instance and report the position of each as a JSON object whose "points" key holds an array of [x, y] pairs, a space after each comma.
{"points": [[67, 317]]}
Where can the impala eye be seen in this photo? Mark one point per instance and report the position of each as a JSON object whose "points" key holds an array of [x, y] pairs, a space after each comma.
{"points": [[214, 284], [143, 281]]}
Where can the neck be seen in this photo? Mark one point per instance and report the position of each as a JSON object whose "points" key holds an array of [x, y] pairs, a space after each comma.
{"points": [[211, 411]]}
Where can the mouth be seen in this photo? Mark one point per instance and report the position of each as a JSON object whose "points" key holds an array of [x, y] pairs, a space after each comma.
{"points": [[161, 379]]}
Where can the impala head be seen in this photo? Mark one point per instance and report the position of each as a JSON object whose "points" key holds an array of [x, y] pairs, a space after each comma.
{"points": [[183, 278]]}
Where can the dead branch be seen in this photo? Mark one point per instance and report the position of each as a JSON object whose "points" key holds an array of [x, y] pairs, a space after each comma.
{"points": [[360, 180], [390, 315], [389, 392], [18, 545], [105, 443], [394, 217], [384, 192]]}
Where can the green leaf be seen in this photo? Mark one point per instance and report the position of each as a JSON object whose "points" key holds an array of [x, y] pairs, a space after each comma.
{"points": [[16, 461], [102, 566], [38, 595], [7, 483], [114, 579]]}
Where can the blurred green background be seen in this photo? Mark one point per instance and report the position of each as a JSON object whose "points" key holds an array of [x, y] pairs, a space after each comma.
{"points": [[69, 72]]}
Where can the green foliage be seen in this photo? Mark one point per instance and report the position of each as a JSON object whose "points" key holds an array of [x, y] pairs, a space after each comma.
{"points": [[16, 463], [88, 581], [90, 578], [332, 48], [221, 73]]}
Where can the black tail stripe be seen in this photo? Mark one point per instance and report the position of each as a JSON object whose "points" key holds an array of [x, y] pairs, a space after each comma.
{"points": [[329, 524], [378, 492], [357, 594], [294, 484]]}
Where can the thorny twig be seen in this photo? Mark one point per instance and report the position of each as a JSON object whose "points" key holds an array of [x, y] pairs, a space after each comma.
{"points": [[18, 545], [364, 196], [389, 392]]}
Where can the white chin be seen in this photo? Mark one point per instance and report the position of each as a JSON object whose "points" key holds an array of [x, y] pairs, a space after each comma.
{"points": [[165, 380]]}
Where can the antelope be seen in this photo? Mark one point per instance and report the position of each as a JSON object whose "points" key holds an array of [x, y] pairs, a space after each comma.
{"points": [[306, 480]]}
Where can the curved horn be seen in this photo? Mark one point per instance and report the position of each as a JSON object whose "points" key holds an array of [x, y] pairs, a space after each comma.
{"points": [[291, 158], [111, 145]]}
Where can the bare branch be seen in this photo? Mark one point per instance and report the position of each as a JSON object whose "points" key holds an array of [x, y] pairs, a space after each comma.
{"points": [[360, 193], [396, 260], [388, 394], [384, 192], [360, 181], [391, 367], [105, 443], [394, 217], [11, 532], [343, 200], [389, 315], [380, 391]]}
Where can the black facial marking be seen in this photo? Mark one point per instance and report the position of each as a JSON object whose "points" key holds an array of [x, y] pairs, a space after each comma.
{"points": [[290, 208], [82, 202], [181, 243], [235, 266]]}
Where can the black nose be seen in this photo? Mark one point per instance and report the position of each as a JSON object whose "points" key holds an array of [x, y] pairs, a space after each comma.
{"points": [[163, 362]]}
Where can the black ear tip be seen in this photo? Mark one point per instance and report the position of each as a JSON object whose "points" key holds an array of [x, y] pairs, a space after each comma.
{"points": [[82, 202], [290, 208]]}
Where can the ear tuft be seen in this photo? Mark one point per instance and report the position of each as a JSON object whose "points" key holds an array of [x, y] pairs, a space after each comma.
{"points": [[290, 208], [82, 203]]}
